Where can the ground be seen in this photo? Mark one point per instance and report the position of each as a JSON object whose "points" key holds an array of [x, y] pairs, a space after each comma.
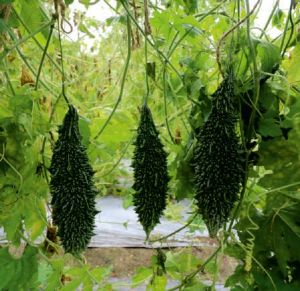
{"points": [[125, 261]]}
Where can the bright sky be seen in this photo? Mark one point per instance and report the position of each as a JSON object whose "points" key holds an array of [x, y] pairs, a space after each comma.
{"points": [[101, 12]]}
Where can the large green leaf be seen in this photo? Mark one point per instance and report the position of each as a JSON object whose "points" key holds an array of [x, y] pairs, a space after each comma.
{"points": [[269, 55], [279, 233], [18, 274], [285, 233], [292, 66]]}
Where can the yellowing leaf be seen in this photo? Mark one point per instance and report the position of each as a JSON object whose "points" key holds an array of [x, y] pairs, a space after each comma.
{"points": [[292, 66]]}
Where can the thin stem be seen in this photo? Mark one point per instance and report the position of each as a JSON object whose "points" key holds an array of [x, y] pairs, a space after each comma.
{"points": [[289, 28], [123, 79], [111, 7], [198, 270], [256, 77], [218, 56], [8, 79], [120, 158], [202, 17], [166, 107], [24, 59], [269, 19], [2, 157], [151, 43], [63, 79], [23, 40], [45, 138], [146, 57], [174, 232], [36, 41], [290, 19], [43, 56]]}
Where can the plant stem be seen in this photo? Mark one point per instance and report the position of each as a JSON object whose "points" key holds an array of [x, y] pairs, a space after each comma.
{"points": [[146, 54], [23, 40], [123, 79], [36, 41], [174, 232], [289, 19], [269, 19], [63, 79], [150, 42], [218, 56], [165, 105], [43, 56], [256, 77], [120, 158], [24, 59]]}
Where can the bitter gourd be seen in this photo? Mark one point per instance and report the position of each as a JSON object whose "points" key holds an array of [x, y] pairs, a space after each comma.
{"points": [[72, 187], [150, 173], [217, 160]]}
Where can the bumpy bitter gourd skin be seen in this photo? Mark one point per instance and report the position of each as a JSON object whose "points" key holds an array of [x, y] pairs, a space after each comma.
{"points": [[72, 187], [150, 173], [218, 163]]}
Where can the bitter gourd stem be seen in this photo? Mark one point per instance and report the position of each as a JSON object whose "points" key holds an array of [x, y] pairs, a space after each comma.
{"points": [[122, 81]]}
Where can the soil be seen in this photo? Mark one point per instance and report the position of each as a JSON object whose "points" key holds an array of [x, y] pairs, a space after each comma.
{"points": [[125, 261]]}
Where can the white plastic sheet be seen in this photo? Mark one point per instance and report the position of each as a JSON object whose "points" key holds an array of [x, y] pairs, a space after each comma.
{"points": [[119, 227]]}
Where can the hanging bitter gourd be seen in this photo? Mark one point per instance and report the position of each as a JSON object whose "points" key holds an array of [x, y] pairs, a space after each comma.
{"points": [[150, 173], [72, 188], [218, 161]]}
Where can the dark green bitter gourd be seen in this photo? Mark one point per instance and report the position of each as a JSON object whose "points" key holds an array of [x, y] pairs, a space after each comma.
{"points": [[217, 160], [150, 173], [72, 187]]}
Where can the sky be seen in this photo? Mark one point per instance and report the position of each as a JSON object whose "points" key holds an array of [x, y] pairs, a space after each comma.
{"points": [[101, 12]]}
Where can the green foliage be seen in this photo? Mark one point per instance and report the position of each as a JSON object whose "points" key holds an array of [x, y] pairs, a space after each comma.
{"points": [[275, 257], [150, 173], [18, 273], [72, 188], [217, 161]]}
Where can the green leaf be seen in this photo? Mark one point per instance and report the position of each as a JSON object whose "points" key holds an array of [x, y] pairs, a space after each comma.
{"points": [[158, 283], [286, 236], [44, 271], [111, 20], [292, 67], [84, 130], [239, 278], [278, 19], [83, 28], [235, 251], [269, 127], [269, 55], [141, 275], [34, 20], [101, 273], [182, 263], [18, 274], [54, 280], [196, 285], [68, 2]]}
